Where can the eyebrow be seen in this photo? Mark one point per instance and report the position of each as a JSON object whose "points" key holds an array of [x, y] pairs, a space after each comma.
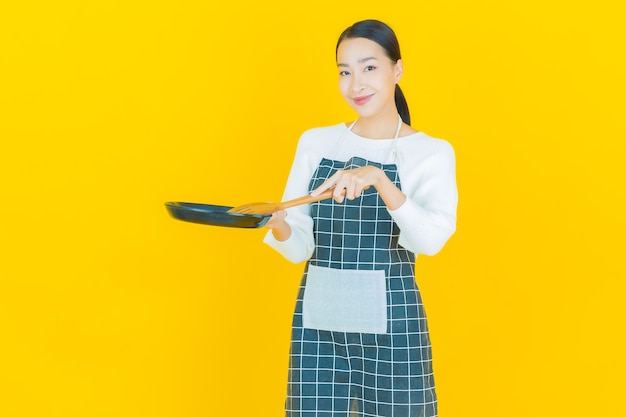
{"points": [[360, 61]]}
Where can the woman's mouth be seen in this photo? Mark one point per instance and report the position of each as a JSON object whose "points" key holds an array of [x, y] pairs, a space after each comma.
{"points": [[361, 100]]}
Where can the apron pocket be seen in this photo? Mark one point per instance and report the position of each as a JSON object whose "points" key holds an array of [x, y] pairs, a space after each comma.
{"points": [[345, 300]]}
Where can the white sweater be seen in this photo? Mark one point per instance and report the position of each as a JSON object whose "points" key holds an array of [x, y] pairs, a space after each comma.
{"points": [[426, 167]]}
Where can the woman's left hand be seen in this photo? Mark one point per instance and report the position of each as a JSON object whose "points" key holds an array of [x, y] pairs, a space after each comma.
{"points": [[350, 183]]}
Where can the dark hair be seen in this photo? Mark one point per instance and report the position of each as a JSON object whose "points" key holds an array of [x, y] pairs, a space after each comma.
{"points": [[382, 34]]}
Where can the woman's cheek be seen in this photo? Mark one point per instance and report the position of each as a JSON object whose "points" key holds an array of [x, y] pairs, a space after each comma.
{"points": [[344, 86]]}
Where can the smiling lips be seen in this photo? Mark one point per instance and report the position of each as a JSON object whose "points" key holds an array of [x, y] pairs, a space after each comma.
{"points": [[361, 100]]}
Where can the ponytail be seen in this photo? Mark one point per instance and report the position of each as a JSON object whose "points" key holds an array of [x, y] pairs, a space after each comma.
{"points": [[402, 106]]}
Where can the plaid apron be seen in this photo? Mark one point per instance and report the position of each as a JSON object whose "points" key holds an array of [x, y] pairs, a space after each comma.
{"points": [[344, 360]]}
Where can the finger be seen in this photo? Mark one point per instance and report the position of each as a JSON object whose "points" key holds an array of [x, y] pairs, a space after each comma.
{"points": [[329, 183], [359, 187], [339, 193], [276, 218], [319, 190], [356, 188], [279, 215]]}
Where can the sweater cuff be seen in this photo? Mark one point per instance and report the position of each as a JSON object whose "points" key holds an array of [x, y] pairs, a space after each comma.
{"points": [[409, 218], [290, 248], [405, 214]]}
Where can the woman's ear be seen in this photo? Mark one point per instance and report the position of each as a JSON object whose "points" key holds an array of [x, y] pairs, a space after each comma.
{"points": [[399, 70]]}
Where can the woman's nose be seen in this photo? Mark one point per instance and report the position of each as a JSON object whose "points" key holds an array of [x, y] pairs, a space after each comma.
{"points": [[357, 86]]}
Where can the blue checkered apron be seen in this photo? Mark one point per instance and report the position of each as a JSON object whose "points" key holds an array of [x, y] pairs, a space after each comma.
{"points": [[345, 373]]}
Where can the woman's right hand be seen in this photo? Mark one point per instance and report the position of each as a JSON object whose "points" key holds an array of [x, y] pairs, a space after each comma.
{"points": [[280, 228]]}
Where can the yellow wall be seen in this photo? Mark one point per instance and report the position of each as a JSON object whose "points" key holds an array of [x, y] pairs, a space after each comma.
{"points": [[108, 307]]}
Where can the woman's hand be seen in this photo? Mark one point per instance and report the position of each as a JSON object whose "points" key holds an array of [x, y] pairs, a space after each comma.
{"points": [[351, 183], [280, 228]]}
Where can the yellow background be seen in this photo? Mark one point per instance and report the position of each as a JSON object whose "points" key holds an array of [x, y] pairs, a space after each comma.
{"points": [[109, 307]]}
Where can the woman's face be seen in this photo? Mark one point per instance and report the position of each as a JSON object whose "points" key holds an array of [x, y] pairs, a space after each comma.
{"points": [[367, 77]]}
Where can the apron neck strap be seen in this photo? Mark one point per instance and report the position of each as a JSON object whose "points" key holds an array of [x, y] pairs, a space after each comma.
{"points": [[393, 152], [394, 147], [397, 130]]}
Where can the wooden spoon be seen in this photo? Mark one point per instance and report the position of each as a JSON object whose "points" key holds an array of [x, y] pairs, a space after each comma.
{"points": [[269, 208]]}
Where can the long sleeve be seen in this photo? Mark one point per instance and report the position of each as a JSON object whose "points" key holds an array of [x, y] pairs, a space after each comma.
{"points": [[427, 218], [299, 246]]}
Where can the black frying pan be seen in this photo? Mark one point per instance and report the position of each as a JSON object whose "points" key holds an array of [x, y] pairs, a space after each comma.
{"points": [[241, 216], [214, 215]]}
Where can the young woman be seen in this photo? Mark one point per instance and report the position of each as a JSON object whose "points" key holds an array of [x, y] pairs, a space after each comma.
{"points": [[360, 343]]}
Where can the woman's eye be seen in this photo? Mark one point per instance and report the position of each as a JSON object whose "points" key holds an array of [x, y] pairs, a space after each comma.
{"points": [[343, 73], [370, 68]]}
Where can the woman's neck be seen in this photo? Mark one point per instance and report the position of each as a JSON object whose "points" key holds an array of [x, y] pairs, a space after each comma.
{"points": [[377, 127]]}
